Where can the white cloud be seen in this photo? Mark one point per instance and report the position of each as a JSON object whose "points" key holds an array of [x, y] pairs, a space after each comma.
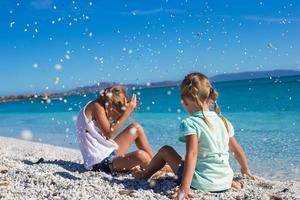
{"points": [[147, 12], [254, 18], [270, 19], [175, 11], [41, 4], [154, 11]]}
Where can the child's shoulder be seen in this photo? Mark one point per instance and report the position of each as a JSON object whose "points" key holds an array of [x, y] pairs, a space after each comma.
{"points": [[93, 106], [190, 125], [192, 121]]}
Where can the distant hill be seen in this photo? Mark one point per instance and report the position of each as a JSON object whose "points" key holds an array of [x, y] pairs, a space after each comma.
{"points": [[98, 87], [253, 75], [217, 78]]}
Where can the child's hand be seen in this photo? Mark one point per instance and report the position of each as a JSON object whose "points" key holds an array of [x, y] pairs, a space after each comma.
{"points": [[132, 103], [247, 172], [182, 193]]}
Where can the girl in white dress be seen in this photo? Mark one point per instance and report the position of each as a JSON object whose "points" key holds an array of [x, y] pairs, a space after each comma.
{"points": [[97, 125]]}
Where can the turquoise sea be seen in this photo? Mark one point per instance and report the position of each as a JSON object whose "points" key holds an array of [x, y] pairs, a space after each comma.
{"points": [[264, 112]]}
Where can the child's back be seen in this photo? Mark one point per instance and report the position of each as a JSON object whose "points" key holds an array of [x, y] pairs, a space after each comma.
{"points": [[213, 172]]}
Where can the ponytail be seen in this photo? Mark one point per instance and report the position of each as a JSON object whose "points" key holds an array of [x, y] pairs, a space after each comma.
{"points": [[214, 96], [204, 117], [195, 94]]}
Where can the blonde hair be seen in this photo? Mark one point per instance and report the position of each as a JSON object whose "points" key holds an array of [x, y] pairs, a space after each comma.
{"points": [[113, 97], [197, 87]]}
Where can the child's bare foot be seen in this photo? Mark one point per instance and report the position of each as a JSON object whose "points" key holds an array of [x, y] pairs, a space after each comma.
{"points": [[137, 172], [158, 175], [237, 185], [162, 173], [167, 169]]}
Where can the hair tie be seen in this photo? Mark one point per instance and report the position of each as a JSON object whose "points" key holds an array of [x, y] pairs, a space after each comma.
{"points": [[220, 114]]}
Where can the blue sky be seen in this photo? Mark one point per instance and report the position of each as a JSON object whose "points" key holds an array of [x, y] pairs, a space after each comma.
{"points": [[51, 45]]}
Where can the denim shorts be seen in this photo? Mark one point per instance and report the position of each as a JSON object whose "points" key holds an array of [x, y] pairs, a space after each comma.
{"points": [[106, 164], [179, 175]]}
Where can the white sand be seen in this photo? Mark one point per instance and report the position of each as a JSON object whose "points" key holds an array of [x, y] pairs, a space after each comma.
{"points": [[62, 176]]}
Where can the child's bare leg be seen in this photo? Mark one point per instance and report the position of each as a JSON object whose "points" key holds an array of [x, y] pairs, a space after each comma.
{"points": [[165, 155], [130, 160], [133, 133]]}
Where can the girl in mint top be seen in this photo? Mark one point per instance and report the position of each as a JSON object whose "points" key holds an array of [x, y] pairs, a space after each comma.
{"points": [[208, 136], [212, 172]]}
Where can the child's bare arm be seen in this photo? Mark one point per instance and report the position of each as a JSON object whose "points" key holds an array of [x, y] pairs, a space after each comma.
{"points": [[240, 156], [111, 129], [189, 163]]}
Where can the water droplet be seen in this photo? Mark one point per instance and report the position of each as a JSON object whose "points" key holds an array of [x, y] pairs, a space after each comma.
{"points": [[56, 80], [26, 135], [152, 183], [74, 118], [133, 131], [269, 45], [67, 57], [11, 24], [57, 67], [123, 108], [109, 94]]}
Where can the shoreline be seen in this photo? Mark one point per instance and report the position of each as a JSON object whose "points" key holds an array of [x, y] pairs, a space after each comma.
{"points": [[60, 174]]}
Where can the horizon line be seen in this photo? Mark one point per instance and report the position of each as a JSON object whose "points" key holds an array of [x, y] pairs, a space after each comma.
{"points": [[61, 91]]}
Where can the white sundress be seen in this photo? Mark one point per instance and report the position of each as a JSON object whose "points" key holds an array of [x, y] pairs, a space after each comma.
{"points": [[94, 146]]}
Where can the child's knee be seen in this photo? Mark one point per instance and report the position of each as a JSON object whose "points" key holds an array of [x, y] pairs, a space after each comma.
{"points": [[136, 126], [143, 156], [166, 149]]}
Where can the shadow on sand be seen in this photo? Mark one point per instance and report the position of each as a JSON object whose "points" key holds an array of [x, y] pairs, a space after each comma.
{"points": [[67, 165], [161, 186]]}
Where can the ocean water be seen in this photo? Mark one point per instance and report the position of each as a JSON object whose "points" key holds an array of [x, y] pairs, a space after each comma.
{"points": [[265, 114]]}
